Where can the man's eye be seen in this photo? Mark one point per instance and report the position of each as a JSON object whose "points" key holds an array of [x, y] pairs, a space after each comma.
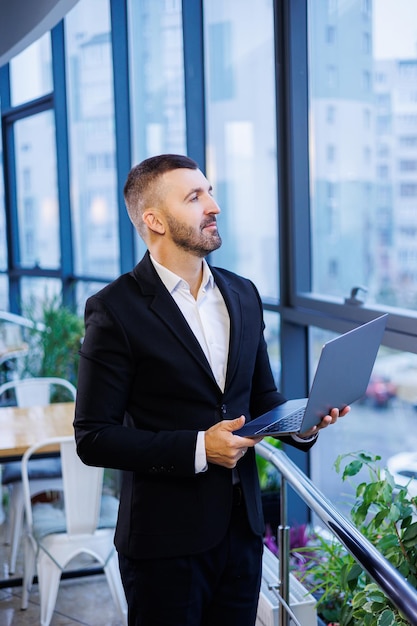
{"points": [[194, 198]]}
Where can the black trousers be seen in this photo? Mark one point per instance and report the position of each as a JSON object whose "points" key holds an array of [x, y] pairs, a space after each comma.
{"points": [[219, 587]]}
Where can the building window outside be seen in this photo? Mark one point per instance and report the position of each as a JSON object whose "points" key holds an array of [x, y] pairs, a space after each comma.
{"points": [[407, 165], [330, 114], [330, 34], [331, 153], [408, 190]]}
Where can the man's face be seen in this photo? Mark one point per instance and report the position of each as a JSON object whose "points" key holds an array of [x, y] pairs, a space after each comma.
{"points": [[190, 211]]}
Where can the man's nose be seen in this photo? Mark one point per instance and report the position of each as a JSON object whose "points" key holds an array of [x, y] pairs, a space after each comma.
{"points": [[212, 206]]}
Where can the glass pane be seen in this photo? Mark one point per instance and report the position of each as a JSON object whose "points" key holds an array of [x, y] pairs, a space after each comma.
{"points": [[37, 191], [363, 150], [28, 85], [85, 289], [272, 337], [4, 293], [36, 293], [381, 423], [156, 78], [3, 237], [92, 140], [242, 159]]}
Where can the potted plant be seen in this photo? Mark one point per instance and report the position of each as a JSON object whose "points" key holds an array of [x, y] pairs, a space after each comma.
{"points": [[384, 513], [54, 344]]}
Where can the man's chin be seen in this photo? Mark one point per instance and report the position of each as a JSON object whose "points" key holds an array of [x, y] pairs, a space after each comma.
{"points": [[216, 244]]}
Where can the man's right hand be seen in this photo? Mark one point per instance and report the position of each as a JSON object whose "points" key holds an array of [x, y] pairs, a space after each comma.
{"points": [[223, 447]]}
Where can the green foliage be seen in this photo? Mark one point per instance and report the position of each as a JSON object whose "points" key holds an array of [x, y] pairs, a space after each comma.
{"points": [[269, 476], [385, 514], [53, 351]]}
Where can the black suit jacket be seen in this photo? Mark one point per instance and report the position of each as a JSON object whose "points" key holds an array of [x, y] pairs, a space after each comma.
{"points": [[145, 389]]}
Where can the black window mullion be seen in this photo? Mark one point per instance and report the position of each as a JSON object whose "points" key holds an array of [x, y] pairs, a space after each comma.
{"points": [[120, 51], [193, 42], [10, 193], [63, 165]]}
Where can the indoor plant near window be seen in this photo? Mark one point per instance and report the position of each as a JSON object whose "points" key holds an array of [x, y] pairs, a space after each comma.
{"points": [[53, 349], [384, 513]]}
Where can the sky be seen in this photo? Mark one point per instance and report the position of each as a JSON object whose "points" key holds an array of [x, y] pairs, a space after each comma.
{"points": [[395, 29]]}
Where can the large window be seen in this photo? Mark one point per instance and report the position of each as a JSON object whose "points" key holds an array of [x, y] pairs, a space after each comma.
{"points": [[156, 78], [37, 191], [362, 149], [156, 81], [304, 116], [92, 139], [241, 139]]}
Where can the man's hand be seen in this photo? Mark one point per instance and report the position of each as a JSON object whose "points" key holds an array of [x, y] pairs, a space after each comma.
{"points": [[223, 447], [325, 422]]}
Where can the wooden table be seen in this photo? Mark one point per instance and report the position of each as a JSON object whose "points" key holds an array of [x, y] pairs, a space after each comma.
{"points": [[21, 427]]}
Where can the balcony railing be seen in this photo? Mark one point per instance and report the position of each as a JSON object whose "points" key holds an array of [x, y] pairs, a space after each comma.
{"points": [[389, 580]]}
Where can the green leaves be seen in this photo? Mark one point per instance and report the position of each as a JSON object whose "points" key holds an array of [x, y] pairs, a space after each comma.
{"points": [[409, 537], [384, 513]]}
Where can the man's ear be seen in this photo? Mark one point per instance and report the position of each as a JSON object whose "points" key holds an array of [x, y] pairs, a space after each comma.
{"points": [[153, 221]]}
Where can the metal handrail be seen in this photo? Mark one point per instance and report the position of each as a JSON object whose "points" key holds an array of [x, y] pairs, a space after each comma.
{"points": [[390, 581]]}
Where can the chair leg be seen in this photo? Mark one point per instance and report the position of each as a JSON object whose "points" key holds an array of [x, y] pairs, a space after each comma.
{"points": [[8, 533], [112, 572], [49, 575], [2, 513], [29, 571], [16, 512]]}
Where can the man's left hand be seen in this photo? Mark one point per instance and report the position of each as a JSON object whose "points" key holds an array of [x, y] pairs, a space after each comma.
{"points": [[325, 422]]}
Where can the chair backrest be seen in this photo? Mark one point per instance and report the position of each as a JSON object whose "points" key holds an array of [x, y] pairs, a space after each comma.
{"points": [[36, 391], [82, 487]]}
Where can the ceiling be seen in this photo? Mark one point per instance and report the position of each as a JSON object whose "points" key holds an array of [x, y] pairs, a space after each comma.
{"points": [[24, 21]]}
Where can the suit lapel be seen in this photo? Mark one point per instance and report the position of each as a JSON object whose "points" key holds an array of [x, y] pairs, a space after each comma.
{"points": [[164, 306], [234, 306]]}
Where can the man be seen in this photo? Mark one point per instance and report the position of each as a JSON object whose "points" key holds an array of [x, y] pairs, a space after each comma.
{"points": [[173, 361]]}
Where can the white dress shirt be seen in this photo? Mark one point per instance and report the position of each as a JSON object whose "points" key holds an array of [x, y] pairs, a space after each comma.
{"points": [[209, 320]]}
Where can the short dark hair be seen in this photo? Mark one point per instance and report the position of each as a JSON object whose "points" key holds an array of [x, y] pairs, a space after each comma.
{"points": [[140, 187]]}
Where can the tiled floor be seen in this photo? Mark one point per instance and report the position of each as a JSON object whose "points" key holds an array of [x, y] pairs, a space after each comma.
{"points": [[85, 601]]}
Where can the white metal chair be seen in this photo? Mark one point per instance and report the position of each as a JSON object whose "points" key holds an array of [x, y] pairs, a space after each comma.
{"points": [[83, 523], [45, 473]]}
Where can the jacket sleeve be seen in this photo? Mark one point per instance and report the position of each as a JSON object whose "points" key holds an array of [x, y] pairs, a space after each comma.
{"points": [[106, 375]]}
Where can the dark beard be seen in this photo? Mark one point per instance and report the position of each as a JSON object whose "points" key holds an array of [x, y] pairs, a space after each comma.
{"points": [[198, 243]]}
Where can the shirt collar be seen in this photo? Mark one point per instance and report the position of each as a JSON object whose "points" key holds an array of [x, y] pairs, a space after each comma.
{"points": [[172, 281]]}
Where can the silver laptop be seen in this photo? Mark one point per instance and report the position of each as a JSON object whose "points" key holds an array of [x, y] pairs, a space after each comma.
{"points": [[342, 376]]}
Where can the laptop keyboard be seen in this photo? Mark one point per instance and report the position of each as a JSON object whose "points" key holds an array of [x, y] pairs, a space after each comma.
{"points": [[291, 423]]}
